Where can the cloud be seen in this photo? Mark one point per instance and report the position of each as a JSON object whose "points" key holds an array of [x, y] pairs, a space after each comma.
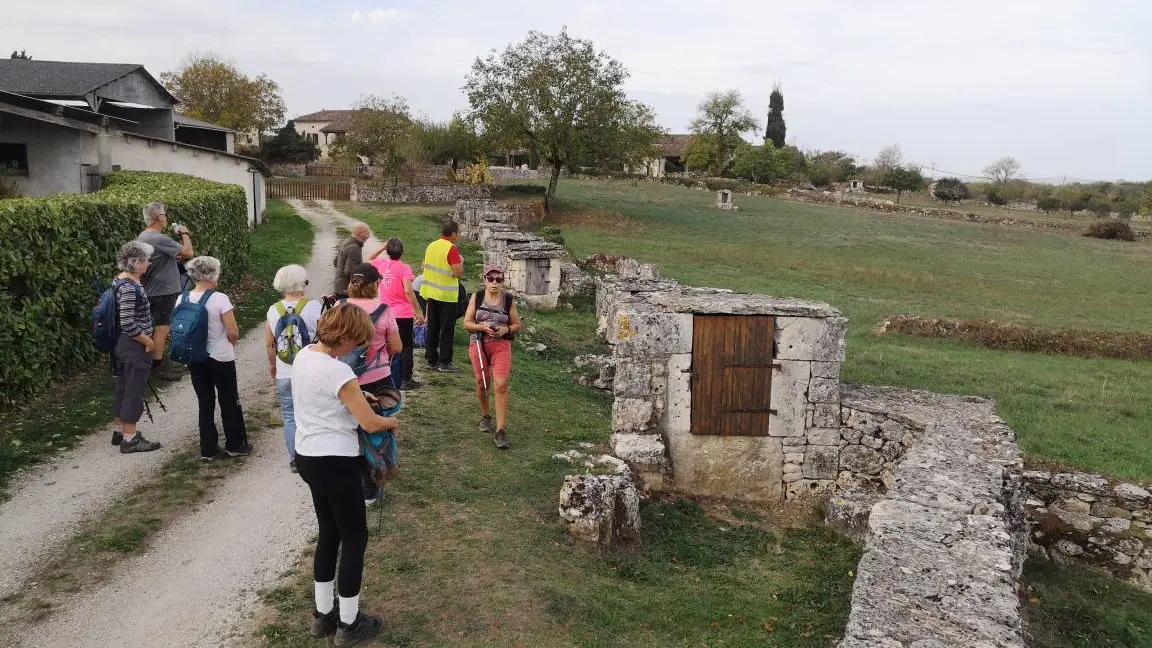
{"points": [[375, 16]]}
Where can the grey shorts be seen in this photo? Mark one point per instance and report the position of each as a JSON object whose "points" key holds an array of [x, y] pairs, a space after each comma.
{"points": [[162, 307], [133, 364]]}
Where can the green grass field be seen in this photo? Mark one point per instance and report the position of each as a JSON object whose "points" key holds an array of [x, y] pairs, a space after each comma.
{"points": [[1094, 414]]}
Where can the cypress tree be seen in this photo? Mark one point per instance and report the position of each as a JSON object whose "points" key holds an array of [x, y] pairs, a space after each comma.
{"points": [[776, 127]]}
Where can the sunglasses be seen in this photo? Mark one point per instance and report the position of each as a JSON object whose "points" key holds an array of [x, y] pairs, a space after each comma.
{"points": [[495, 279]]}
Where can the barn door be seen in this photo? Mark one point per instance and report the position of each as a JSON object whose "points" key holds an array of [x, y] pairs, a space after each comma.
{"points": [[732, 363], [537, 280]]}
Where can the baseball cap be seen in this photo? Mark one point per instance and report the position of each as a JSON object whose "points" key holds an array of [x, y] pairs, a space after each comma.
{"points": [[368, 271], [492, 268]]}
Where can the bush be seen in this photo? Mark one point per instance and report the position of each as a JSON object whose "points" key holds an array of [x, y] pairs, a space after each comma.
{"points": [[1111, 229], [551, 233], [950, 189], [1048, 204], [59, 252], [524, 189], [995, 197], [1099, 207]]}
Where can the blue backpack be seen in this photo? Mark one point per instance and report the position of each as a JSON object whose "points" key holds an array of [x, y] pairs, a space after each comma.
{"points": [[189, 334], [291, 333], [358, 358], [106, 316]]}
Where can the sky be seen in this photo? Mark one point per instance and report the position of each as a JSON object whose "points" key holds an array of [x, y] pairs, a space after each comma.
{"points": [[1064, 86]]}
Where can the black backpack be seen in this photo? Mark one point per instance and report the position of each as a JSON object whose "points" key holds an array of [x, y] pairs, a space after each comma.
{"points": [[477, 300]]}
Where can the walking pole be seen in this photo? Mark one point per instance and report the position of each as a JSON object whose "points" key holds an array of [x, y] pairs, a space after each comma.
{"points": [[480, 357]]}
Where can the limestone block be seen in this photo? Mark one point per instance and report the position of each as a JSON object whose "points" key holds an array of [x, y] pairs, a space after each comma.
{"points": [[793, 441], [824, 436], [850, 435], [848, 512], [633, 378], [872, 442], [644, 451], [644, 334], [740, 468], [826, 370], [794, 458], [824, 415], [824, 390], [1132, 494], [678, 394], [806, 338], [789, 386], [821, 462], [631, 415], [1081, 482], [602, 510], [892, 431], [860, 459]]}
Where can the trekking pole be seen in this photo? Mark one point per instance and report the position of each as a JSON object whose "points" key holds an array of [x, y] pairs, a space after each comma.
{"points": [[157, 395], [480, 357]]}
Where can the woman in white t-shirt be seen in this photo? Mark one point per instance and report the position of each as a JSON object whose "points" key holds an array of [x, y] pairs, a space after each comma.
{"points": [[216, 377], [291, 281], [329, 405]]}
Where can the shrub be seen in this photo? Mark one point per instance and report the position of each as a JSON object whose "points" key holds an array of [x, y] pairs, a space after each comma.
{"points": [[58, 253], [950, 189], [1099, 207], [551, 233], [524, 189], [1048, 204], [996, 197], [1111, 229]]}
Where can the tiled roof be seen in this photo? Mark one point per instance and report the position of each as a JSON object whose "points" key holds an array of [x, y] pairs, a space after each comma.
{"points": [[674, 144], [60, 78], [325, 116]]}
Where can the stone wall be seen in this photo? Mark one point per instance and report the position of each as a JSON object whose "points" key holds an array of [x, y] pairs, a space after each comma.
{"points": [[504, 174], [430, 194], [1085, 518], [286, 169]]}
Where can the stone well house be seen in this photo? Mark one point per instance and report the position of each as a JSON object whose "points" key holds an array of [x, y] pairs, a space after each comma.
{"points": [[64, 124]]}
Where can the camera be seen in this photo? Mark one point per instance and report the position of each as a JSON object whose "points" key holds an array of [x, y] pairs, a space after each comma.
{"points": [[179, 229]]}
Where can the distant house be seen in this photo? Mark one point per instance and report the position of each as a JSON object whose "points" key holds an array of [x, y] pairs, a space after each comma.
{"points": [[324, 127], [673, 147], [63, 125]]}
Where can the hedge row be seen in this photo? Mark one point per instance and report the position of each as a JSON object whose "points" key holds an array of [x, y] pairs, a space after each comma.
{"points": [[58, 253]]}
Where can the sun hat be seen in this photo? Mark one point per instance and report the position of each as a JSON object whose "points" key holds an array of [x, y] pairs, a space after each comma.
{"points": [[492, 267]]}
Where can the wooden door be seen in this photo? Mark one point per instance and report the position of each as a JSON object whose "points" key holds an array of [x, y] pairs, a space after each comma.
{"points": [[732, 363], [537, 280]]}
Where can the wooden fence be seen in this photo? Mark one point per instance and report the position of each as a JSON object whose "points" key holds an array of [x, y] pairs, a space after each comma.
{"points": [[280, 188]]}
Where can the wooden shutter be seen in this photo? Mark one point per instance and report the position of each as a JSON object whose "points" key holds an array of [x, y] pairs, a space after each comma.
{"points": [[732, 363]]}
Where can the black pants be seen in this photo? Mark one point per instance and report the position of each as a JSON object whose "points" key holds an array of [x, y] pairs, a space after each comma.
{"points": [[441, 328], [406, 324], [210, 379], [339, 503]]}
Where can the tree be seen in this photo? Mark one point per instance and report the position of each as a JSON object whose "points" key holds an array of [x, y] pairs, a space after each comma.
{"points": [[723, 116], [950, 189], [451, 142], [827, 167], [887, 159], [214, 90], [380, 130], [289, 146], [1048, 204], [907, 178], [630, 141], [762, 163], [555, 95], [703, 154], [776, 128], [1003, 171], [22, 54]]}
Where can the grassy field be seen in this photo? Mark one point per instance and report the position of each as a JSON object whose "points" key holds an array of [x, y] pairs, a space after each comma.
{"points": [[1073, 221], [467, 549], [1072, 607], [81, 403], [1091, 413]]}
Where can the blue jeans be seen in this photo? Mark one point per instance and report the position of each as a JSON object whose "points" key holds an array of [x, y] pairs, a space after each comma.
{"points": [[284, 388]]}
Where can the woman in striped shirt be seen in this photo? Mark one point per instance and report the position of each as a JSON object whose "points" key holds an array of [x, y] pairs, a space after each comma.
{"points": [[132, 357]]}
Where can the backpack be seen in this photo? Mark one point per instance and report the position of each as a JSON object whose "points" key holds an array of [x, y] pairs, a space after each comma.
{"points": [[106, 316], [358, 358], [461, 301], [189, 333], [291, 332], [477, 301]]}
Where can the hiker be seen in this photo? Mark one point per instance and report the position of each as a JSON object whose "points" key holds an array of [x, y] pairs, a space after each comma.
{"points": [[375, 368], [284, 337], [215, 375], [132, 356], [443, 267], [351, 254], [329, 405], [163, 280], [493, 320], [396, 291]]}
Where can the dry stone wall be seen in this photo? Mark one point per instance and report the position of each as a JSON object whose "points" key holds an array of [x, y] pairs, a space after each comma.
{"points": [[424, 194]]}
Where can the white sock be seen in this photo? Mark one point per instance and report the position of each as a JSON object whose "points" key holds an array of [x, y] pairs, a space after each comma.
{"points": [[324, 593], [349, 609]]}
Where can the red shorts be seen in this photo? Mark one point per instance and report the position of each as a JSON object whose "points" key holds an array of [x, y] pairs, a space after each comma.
{"points": [[497, 357]]}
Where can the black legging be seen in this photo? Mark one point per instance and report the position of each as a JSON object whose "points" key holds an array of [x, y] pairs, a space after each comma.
{"points": [[405, 324], [339, 504]]}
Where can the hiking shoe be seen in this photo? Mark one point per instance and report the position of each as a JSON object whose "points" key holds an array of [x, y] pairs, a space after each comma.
{"points": [[292, 467], [219, 454], [117, 437], [371, 496], [364, 627], [324, 625], [501, 439], [447, 367], [138, 444], [243, 451], [486, 424], [409, 385]]}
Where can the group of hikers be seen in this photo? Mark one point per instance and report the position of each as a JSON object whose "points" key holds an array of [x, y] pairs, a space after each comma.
{"points": [[341, 366]]}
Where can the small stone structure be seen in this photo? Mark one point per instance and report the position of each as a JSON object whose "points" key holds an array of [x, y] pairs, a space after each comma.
{"points": [[855, 185], [601, 510], [1084, 518], [724, 200]]}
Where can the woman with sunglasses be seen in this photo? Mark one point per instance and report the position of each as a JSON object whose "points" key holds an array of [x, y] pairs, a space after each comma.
{"points": [[492, 320]]}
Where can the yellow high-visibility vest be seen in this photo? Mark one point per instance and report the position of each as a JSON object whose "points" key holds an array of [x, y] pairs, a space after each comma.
{"points": [[439, 282]]}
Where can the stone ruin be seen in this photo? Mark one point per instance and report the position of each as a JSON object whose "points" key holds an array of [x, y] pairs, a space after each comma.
{"points": [[724, 200]]}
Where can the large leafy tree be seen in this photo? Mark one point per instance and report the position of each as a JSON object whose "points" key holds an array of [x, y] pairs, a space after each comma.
{"points": [[776, 129], [289, 146], [214, 90], [380, 129], [22, 54], [555, 95], [723, 117], [762, 163], [950, 190], [905, 178]]}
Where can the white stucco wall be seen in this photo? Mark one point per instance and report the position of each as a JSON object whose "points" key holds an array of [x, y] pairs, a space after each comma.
{"points": [[55, 155], [313, 128], [133, 153]]}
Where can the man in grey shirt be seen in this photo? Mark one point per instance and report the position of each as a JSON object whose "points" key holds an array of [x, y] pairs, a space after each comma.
{"points": [[162, 281]]}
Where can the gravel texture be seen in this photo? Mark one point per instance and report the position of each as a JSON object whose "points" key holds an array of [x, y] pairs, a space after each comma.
{"points": [[197, 583]]}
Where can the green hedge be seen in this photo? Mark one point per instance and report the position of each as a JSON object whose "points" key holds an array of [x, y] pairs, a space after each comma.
{"points": [[55, 251]]}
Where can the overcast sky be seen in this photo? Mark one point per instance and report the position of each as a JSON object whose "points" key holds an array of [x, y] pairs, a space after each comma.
{"points": [[1065, 86]]}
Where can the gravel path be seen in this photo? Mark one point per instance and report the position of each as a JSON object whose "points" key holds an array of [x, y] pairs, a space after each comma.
{"points": [[198, 581]]}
